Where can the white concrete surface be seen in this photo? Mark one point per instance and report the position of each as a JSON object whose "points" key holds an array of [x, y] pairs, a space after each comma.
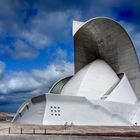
{"points": [[92, 82]]}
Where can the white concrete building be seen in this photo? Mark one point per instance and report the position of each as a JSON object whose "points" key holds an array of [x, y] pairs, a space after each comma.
{"points": [[105, 88]]}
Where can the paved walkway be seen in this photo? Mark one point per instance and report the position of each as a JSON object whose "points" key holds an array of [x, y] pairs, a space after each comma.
{"points": [[117, 131]]}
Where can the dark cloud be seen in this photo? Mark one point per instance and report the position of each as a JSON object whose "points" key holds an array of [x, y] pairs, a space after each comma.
{"points": [[20, 86], [128, 11], [19, 50], [60, 5], [33, 26], [39, 23]]}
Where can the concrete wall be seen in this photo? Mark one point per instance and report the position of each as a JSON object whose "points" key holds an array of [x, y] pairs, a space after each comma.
{"points": [[105, 39], [78, 110], [34, 112]]}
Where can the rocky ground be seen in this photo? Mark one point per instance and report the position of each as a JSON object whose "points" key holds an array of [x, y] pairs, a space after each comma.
{"points": [[6, 116]]}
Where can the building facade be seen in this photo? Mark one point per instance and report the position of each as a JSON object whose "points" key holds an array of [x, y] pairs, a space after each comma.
{"points": [[105, 89]]}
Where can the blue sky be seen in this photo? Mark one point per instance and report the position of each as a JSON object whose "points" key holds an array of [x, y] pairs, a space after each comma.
{"points": [[36, 44]]}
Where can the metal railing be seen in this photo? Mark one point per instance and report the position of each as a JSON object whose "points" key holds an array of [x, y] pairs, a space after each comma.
{"points": [[25, 131], [37, 131]]}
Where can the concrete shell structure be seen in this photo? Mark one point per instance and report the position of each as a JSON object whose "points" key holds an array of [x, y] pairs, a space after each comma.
{"points": [[105, 39], [104, 83], [105, 89], [97, 77]]}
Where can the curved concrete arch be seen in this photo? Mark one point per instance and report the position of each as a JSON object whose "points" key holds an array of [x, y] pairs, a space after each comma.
{"points": [[105, 39]]}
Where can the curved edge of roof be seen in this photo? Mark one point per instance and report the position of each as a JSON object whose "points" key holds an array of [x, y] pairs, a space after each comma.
{"points": [[20, 108], [96, 18], [58, 82]]}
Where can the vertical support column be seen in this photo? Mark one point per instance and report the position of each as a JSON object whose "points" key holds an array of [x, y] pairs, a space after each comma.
{"points": [[21, 131], [33, 130], [9, 130]]}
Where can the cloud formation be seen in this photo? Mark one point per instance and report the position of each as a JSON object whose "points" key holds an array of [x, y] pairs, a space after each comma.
{"points": [[20, 86], [31, 28], [38, 78], [38, 24], [19, 50]]}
